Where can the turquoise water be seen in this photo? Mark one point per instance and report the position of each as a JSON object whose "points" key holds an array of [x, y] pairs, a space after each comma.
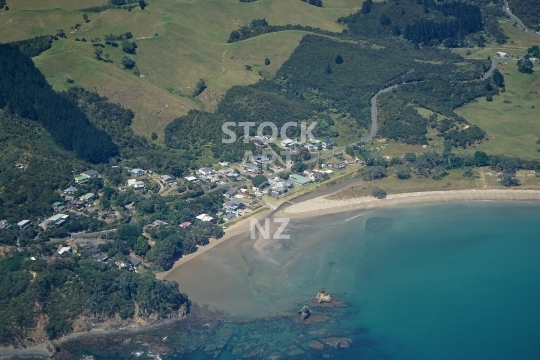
{"points": [[446, 282], [458, 281]]}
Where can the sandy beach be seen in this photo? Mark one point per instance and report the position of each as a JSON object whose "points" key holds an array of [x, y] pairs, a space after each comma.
{"points": [[321, 205]]}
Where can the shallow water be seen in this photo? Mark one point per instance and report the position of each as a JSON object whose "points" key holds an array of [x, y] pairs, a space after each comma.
{"points": [[458, 281]]}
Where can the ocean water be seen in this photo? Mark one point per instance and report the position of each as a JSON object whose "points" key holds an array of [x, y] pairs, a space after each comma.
{"points": [[459, 281]]}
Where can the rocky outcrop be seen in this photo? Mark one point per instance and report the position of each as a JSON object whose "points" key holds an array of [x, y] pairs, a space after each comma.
{"points": [[323, 296], [305, 312], [337, 342]]}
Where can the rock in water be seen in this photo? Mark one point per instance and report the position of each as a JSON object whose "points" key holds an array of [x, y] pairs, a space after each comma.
{"points": [[305, 312], [323, 296]]}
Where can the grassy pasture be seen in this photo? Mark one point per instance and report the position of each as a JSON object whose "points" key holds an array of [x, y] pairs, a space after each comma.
{"points": [[512, 119], [191, 44]]}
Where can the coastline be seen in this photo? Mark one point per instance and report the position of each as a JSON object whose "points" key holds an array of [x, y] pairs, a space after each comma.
{"points": [[315, 206], [322, 205]]}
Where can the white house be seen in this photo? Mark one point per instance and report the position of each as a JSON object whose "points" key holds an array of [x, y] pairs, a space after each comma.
{"points": [[24, 224], [501, 54], [205, 171], [191, 178], [287, 142], [136, 184], [137, 172], [58, 219], [205, 217], [65, 249]]}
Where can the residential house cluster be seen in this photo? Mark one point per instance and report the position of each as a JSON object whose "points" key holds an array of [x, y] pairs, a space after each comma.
{"points": [[85, 176], [279, 186]]}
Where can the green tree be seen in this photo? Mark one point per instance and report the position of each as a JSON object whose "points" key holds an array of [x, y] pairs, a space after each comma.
{"points": [[141, 246], [154, 136], [98, 53], [378, 193], [199, 88], [267, 61], [481, 159], [498, 78], [339, 59], [259, 180], [128, 62], [403, 172], [128, 46], [525, 65]]}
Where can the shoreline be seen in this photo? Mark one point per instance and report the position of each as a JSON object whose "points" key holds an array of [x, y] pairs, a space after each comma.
{"points": [[323, 206], [315, 206], [311, 207]]}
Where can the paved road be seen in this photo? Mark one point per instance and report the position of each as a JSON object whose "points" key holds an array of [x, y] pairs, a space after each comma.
{"points": [[518, 21]]}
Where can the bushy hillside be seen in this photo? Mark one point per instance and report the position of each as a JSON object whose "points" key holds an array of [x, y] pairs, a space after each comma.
{"points": [[25, 92], [527, 11]]}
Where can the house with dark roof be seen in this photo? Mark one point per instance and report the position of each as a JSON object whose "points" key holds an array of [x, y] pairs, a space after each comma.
{"points": [[91, 173]]}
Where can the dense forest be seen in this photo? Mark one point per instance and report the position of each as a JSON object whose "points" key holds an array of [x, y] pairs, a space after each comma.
{"points": [[261, 26], [25, 92], [528, 11], [390, 62], [35, 46], [63, 290]]}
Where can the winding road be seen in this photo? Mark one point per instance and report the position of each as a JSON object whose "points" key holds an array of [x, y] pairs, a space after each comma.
{"points": [[519, 23]]}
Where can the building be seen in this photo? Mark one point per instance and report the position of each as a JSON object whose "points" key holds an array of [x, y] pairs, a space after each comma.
{"points": [[287, 142], [91, 250], [58, 206], [233, 205], [91, 174], [58, 219], [327, 143], [231, 193], [315, 175], [259, 144], [134, 263], [19, 166], [137, 172], [206, 171], [81, 178], [166, 179], [160, 223], [24, 224], [279, 190], [340, 165], [4, 225], [135, 184], [501, 54], [185, 225], [261, 159], [64, 250], [88, 197], [251, 168], [232, 175], [300, 180], [70, 190], [205, 218], [78, 204], [229, 217], [224, 164], [191, 178]]}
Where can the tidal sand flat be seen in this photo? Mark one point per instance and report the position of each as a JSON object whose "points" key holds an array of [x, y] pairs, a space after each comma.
{"points": [[432, 281]]}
